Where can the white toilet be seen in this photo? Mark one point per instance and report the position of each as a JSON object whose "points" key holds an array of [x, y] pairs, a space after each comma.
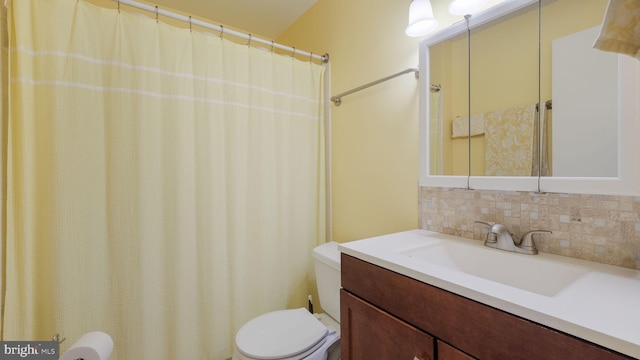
{"points": [[297, 334]]}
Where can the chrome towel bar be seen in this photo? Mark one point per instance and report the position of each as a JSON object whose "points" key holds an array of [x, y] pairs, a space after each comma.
{"points": [[337, 99]]}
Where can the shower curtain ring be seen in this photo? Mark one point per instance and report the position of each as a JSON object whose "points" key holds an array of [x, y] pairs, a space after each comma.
{"points": [[190, 24], [311, 58], [157, 13], [221, 32], [249, 43], [272, 45], [293, 53], [118, 6]]}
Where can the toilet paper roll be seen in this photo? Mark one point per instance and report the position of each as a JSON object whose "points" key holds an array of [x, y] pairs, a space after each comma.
{"points": [[94, 345]]}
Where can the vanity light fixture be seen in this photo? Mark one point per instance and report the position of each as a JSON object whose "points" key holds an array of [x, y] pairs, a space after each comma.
{"points": [[465, 7], [421, 20]]}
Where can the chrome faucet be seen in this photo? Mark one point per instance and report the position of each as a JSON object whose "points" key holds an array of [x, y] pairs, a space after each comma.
{"points": [[504, 240], [499, 237]]}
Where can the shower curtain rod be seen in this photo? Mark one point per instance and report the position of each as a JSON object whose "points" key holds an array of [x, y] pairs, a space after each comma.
{"points": [[337, 99], [222, 30]]}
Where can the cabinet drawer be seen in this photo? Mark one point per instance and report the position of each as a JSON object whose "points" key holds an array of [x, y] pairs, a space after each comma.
{"points": [[368, 333], [477, 329]]}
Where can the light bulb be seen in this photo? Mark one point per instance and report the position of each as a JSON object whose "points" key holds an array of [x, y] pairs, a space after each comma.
{"points": [[421, 20]]}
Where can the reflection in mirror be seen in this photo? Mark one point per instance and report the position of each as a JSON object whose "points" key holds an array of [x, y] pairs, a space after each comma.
{"points": [[501, 75], [507, 139], [589, 126], [449, 145], [582, 125], [504, 94]]}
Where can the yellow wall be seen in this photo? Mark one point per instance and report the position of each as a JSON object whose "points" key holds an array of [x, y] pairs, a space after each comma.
{"points": [[375, 131], [448, 67]]}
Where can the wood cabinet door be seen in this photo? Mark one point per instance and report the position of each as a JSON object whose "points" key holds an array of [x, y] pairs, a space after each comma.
{"points": [[448, 352], [369, 333]]}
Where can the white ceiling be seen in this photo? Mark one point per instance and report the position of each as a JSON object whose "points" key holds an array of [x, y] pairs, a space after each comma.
{"points": [[263, 18]]}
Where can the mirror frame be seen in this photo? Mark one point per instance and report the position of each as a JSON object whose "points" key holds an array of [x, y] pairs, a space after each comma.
{"points": [[626, 183]]}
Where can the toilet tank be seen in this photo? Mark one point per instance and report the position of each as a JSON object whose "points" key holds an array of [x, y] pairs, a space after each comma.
{"points": [[326, 261]]}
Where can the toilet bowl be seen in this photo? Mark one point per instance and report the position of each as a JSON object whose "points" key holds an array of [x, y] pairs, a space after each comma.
{"points": [[297, 334]]}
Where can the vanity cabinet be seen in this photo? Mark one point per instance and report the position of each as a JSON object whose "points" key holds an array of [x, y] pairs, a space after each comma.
{"points": [[448, 352], [375, 334], [385, 315]]}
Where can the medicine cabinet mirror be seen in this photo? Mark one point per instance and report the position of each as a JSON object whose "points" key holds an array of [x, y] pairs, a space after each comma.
{"points": [[516, 98]]}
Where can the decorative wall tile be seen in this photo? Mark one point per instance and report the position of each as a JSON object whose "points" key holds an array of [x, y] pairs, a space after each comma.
{"points": [[601, 228]]}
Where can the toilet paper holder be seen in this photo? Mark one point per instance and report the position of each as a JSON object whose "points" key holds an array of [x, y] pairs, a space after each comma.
{"points": [[56, 337], [94, 345]]}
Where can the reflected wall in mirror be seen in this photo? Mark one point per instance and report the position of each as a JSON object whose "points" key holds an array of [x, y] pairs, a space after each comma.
{"points": [[449, 99], [582, 123], [504, 93]]}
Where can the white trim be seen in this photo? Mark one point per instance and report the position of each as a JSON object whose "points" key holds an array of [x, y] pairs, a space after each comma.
{"points": [[506, 183], [499, 10]]}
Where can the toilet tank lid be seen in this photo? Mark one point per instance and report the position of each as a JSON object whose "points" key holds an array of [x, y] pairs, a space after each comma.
{"points": [[328, 253]]}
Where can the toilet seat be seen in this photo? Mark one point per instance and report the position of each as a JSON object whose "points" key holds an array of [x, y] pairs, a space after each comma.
{"points": [[283, 334]]}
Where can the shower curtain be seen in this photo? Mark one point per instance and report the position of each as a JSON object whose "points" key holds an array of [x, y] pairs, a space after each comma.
{"points": [[163, 185]]}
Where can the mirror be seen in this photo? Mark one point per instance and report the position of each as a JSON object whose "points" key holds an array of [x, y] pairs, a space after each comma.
{"points": [[588, 102], [504, 93], [449, 99], [581, 83]]}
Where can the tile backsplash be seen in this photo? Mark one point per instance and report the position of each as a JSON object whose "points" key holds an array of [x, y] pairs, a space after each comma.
{"points": [[601, 228]]}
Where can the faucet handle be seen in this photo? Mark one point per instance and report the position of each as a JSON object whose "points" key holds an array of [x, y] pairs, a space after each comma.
{"points": [[527, 242], [489, 225], [491, 237]]}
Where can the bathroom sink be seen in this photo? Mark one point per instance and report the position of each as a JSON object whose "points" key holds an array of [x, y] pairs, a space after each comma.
{"points": [[592, 301], [535, 273]]}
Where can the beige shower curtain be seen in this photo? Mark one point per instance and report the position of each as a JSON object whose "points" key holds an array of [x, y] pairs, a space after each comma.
{"points": [[163, 185]]}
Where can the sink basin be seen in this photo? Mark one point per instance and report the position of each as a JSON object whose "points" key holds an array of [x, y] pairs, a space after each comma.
{"points": [[535, 273]]}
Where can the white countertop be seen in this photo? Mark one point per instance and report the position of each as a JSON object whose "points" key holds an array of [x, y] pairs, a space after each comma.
{"points": [[602, 306]]}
